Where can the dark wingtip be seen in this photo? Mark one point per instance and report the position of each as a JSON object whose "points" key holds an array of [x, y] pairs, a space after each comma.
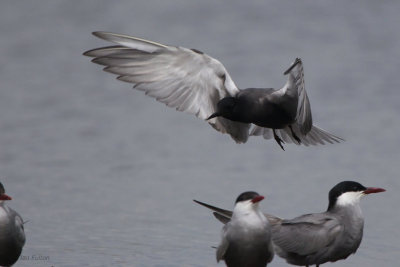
{"points": [[98, 33], [88, 53], [199, 202], [102, 34], [296, 61]]}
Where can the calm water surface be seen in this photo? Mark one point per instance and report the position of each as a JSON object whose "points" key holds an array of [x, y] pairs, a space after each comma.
{"points": [[105, 176]]}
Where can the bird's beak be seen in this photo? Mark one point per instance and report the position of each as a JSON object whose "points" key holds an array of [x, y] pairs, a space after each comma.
{"points": [[216, 114], [257, 199], [297, 61], [371, 190], [5, 197]]}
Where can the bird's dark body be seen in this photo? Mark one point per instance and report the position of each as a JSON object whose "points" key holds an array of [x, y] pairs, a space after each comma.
{"points": [[10, 243], [239, 254], [260, 107], [10, 253]]}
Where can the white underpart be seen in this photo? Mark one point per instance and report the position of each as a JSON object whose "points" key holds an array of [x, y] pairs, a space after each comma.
{"points": [[349, 198], [249, 213]]}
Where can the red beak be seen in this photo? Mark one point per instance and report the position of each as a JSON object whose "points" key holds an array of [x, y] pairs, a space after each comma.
{"points": [[257, 199], [5, 197], [371, 190]]}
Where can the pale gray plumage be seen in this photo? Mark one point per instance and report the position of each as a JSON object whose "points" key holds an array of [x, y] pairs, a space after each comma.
{"points": [[12, 235], [246, 238], [194, 82], [179, 77], [319, 237]]}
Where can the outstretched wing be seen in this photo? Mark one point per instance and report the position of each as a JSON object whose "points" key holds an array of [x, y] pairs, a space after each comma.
{"points": [[185, 79], [306, 234], [295, 85], [303, 127], [316, 136]]}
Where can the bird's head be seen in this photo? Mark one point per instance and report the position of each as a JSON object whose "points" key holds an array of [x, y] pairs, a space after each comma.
{"points": [[349, 193], [3, 195], [225, 108], [247, 202]]}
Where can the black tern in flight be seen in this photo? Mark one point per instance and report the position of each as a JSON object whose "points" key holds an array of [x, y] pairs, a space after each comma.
{"points": [[246, 238], [12, 235], [314, 239], [191, 81]]}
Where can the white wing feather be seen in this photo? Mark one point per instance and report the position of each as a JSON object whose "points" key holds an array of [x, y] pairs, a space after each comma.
{"points": [[295, 85], [185, 79]]}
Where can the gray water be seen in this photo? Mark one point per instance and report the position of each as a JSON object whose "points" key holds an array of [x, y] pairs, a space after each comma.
{"points": [[105, 176]]}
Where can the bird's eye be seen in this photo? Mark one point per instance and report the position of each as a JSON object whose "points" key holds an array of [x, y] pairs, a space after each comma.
{"points": [[222, 76]]}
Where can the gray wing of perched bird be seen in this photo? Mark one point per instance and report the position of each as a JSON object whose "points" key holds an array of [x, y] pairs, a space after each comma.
{"points": [[303, 127], [223, 246], [19, 232], [222, 215], [12, 235], [309, 235], [183, 78], [306, 234]]}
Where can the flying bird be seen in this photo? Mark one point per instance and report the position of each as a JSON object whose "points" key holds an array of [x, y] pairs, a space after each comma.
{"points": [[192, 81], [246, 238], [12, 235], [317, 238]]}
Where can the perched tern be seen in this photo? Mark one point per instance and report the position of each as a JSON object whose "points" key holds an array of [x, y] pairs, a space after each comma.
{"points": [[12, 235], [317, 238], [246, 238]]}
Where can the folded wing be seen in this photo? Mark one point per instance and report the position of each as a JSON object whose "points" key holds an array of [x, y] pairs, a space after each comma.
{"points": [[306, 234]]}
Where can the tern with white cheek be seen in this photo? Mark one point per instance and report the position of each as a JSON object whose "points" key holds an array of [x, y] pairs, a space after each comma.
{"points": [[317, 238], [246, 238]]}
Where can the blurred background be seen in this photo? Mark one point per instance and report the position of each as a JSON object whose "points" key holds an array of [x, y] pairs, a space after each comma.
{"points": [[105, 175]]}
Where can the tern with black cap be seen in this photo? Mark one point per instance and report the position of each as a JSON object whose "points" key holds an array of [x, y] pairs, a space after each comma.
{"points": [[317, 238], [246, 238]]}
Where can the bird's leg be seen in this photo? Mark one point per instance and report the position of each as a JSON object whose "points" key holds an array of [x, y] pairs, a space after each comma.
{"points": [[278, 139], [294, 135]]}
